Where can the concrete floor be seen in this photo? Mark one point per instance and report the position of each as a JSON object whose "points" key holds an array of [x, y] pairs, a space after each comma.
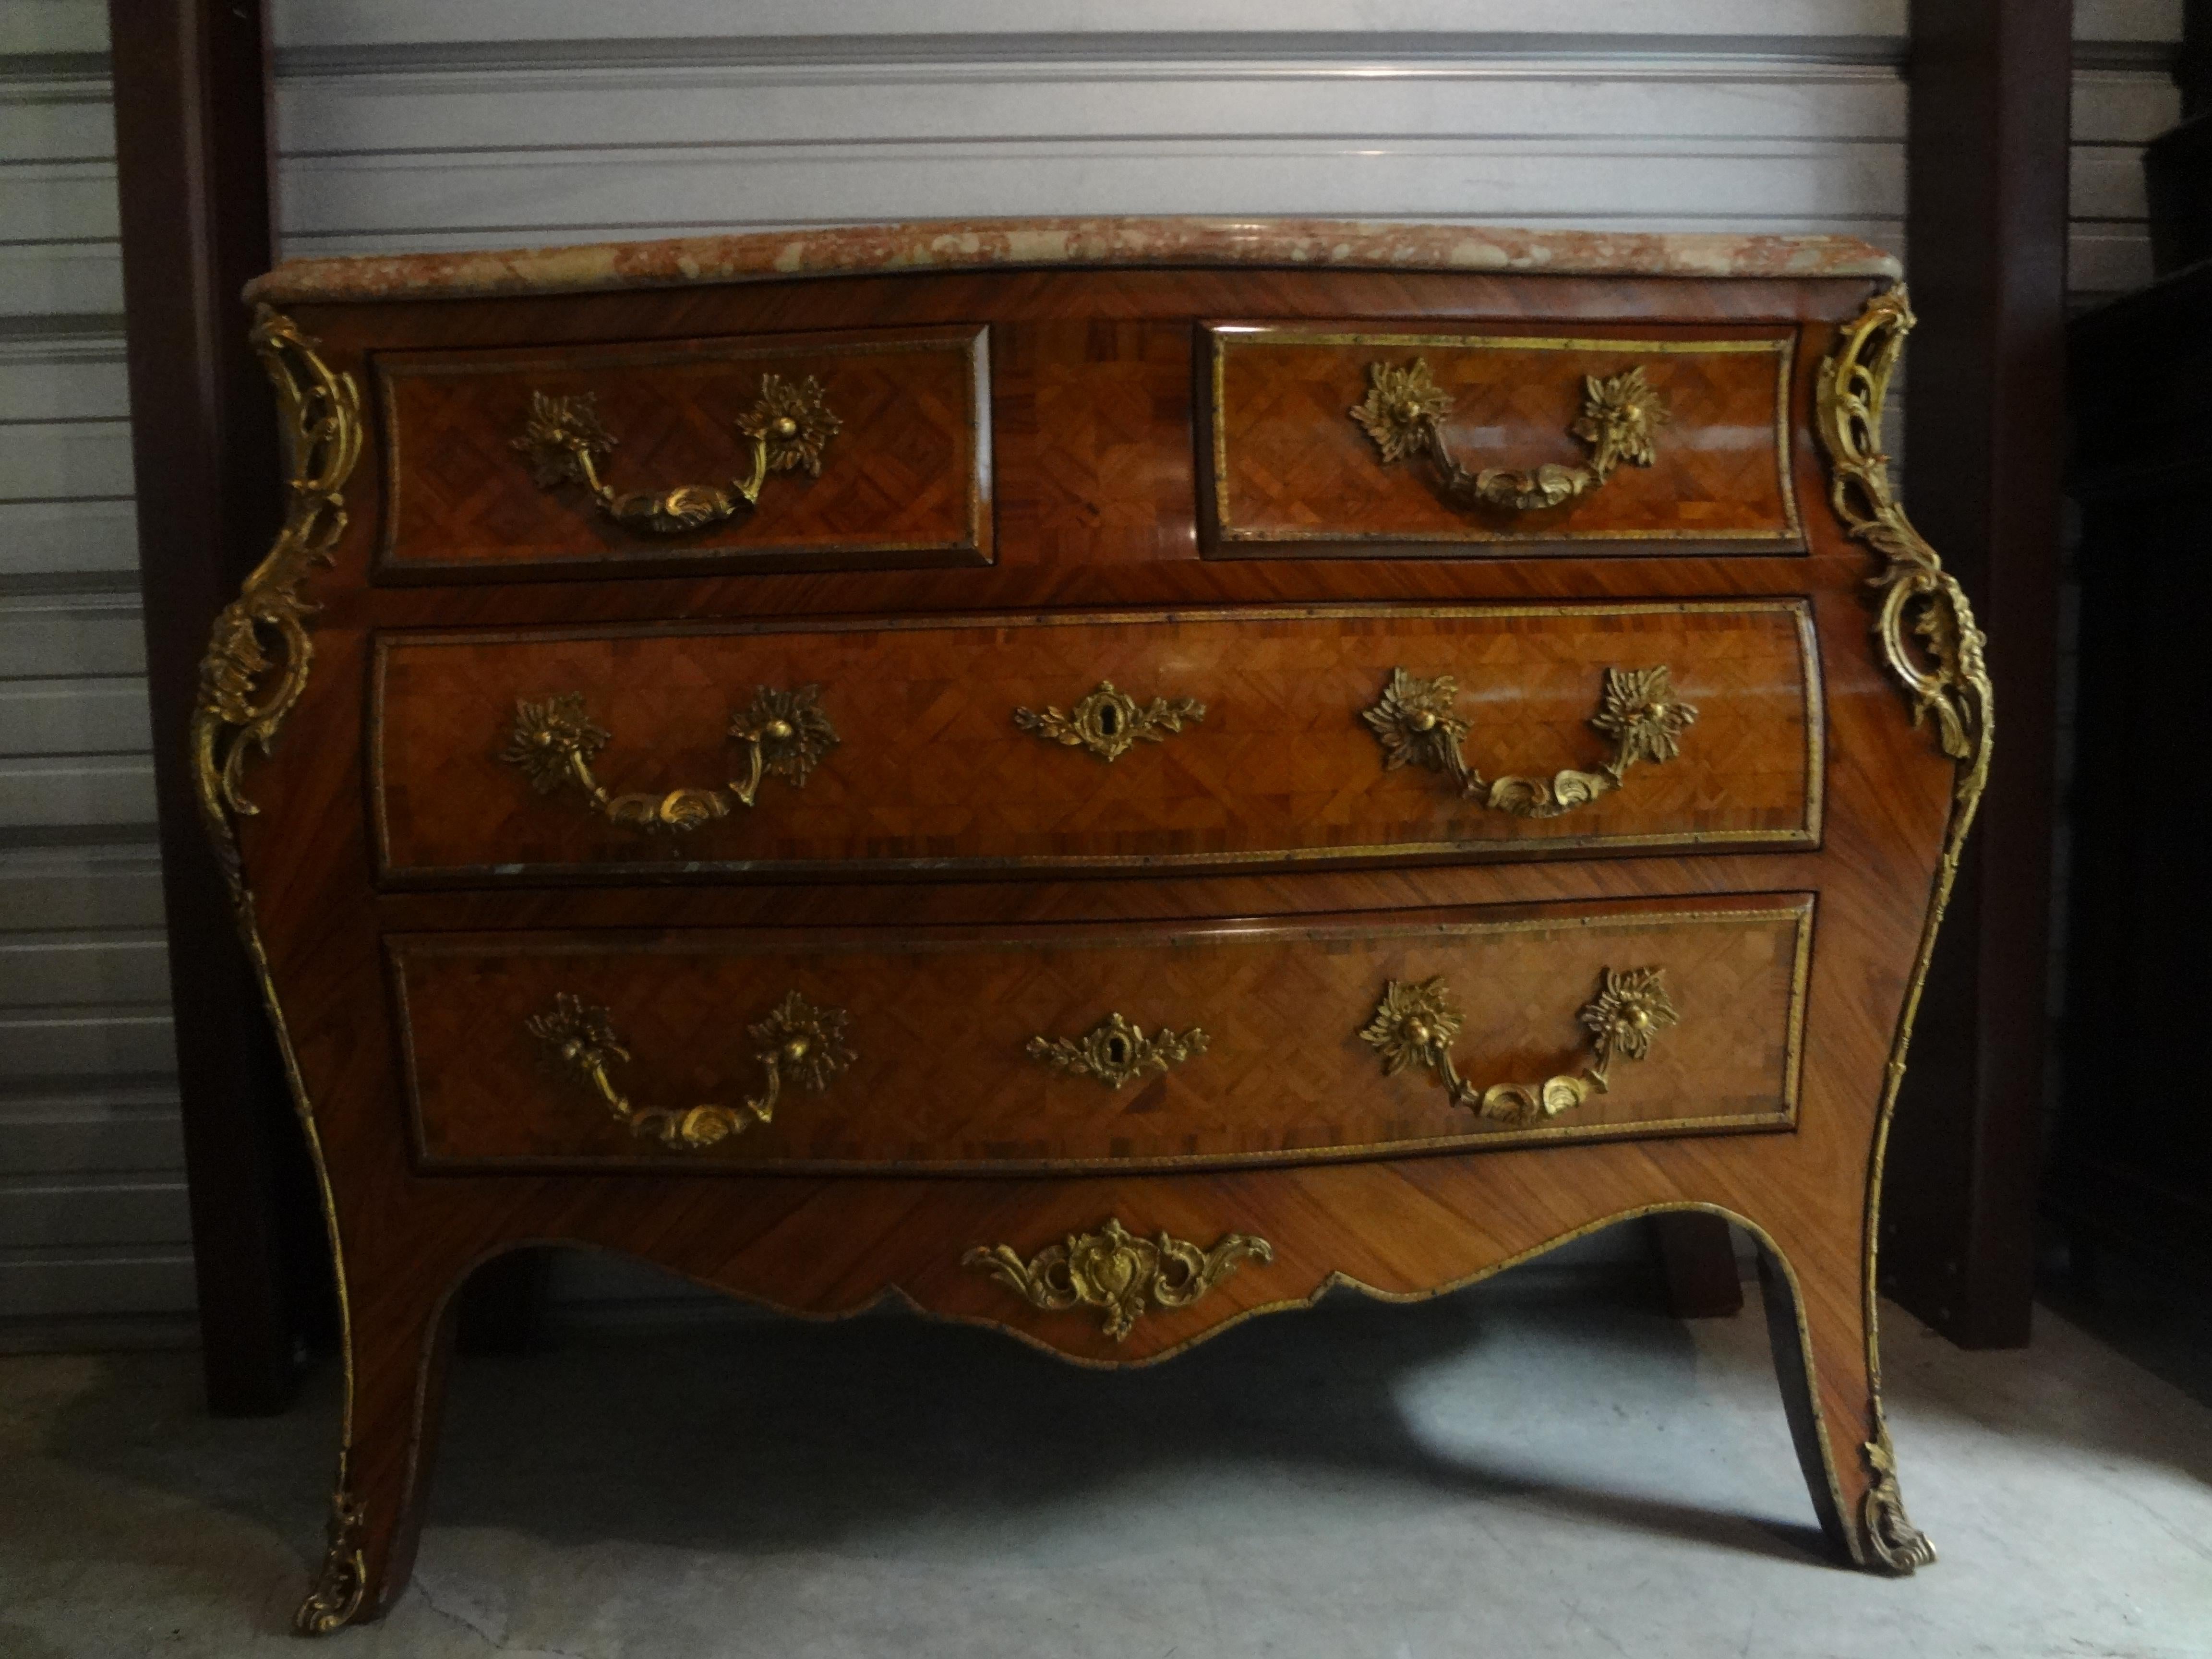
{"points": [[1500, 1473]]}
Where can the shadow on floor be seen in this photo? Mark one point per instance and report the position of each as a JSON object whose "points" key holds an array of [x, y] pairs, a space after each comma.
{"points": [[764, 1434]]}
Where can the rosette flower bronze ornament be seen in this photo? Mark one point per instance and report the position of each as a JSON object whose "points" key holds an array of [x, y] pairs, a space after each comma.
{"points": [[566, 442], [1417, 1023], [553, 742], [787, 734]]}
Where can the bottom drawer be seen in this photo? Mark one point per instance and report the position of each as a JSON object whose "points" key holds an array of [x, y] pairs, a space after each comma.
{"points": [[1123, 1047]]}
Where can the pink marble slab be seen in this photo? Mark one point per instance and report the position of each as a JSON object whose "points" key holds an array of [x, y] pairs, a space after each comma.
{"points": [[967, 245]]}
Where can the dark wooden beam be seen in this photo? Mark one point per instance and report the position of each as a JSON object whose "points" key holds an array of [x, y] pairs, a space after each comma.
{"points": [[1985, 246], [192, 159], [2194, 69]]}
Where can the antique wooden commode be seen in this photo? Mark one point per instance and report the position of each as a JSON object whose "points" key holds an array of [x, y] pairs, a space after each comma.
{"points": [[1103, 776]]}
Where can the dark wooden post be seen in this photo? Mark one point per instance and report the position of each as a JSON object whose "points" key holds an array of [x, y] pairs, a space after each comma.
{"points": [[2194, 72], [191, 151], [1985, 246]]}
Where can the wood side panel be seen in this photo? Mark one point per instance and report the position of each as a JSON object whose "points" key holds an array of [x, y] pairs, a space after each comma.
{"points": [[938, 1027], [933, 773], [904, 478], [1291, 472]]}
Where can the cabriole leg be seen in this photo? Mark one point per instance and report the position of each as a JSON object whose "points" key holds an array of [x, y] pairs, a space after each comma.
{"points": [[1833, 1394], [396, 1389]]}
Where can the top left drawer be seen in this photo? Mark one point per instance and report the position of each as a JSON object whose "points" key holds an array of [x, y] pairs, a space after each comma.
{"points": [[859, 450]]}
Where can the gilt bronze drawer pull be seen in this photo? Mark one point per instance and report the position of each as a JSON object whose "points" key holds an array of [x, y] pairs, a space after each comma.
{"points": [[1114, 1052], [1404, 413], [565, 443], [1108, 721], [1416, 1021], [797, 1041], [1637, 709], [553, 742], [1116, 1270]]}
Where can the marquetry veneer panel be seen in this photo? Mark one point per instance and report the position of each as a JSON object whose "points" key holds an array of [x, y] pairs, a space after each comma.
{"points": [[1293, 474], [904, 480], [932, 771]]}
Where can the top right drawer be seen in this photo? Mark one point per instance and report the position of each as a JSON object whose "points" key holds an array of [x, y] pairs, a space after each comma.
{"points": [[1327, 438]]}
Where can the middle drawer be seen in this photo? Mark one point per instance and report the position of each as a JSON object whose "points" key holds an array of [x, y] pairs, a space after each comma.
{"points": [[1348, 733]]}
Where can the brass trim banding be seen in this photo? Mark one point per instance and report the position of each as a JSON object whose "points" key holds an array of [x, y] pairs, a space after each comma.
{"points": [[318, 422], [1946, 676]]}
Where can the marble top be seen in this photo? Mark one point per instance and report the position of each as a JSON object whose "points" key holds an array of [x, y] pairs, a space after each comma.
{"points": [[977, 244]]}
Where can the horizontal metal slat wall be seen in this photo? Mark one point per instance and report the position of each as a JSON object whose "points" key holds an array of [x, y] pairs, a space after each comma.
{"points": [[2124, 95], [431, 127], [94, 1239]]}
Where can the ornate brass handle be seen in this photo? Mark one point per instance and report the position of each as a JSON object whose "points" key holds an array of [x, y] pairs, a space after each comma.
{"points": [[797, 1041], [1108, 721], [1637, 709], [1404, 413], [1116, 1270], [1415, 1022], [1114, 1052], [565, 443], [553, 741]]}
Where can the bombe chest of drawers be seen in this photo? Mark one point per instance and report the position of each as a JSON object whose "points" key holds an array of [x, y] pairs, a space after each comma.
{"points": [[1104, 777]]}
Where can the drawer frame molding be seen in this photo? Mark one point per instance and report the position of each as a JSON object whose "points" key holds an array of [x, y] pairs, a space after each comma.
{"points": [[1404, 414], [564, 441], [796, 1040], [554, 742], [1413, 722], [1114, 1269], [1417, 1021]]}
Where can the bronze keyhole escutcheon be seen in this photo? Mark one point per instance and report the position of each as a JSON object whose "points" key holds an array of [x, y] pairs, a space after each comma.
{"points": [[1114, 1052]]}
